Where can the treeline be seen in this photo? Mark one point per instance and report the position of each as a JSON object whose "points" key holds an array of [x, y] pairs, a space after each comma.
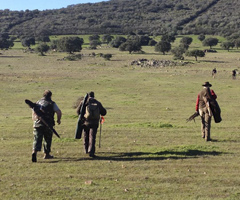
{"points": [[131, 43], [152, 17]]}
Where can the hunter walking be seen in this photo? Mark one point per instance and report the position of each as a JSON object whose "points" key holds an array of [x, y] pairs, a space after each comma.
{"points": [[91, 122], [203, 108], [40, 130], [214, 72]]}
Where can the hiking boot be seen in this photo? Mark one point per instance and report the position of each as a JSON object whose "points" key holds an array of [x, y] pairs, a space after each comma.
{"points": [[47, 156], [34, 157], [92, 155]]}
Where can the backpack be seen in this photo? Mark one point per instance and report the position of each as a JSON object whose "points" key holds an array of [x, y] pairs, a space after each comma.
{"points": [[46, 108], [92, 111]]}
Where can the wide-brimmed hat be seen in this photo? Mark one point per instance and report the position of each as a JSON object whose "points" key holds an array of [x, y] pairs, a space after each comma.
{"points": [[207, 84]]}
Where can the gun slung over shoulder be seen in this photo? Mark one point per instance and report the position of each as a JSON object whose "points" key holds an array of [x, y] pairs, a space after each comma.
{"points": [[39, 113]]}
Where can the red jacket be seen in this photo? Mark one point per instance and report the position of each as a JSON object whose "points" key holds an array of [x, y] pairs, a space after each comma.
{"points": [[198, 98]]}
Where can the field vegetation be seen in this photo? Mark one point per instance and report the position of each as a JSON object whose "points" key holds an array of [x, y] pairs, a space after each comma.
{"points": [[148, 151]]}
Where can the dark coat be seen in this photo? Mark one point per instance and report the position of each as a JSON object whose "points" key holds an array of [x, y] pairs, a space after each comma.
{"points": [[102, 111]]}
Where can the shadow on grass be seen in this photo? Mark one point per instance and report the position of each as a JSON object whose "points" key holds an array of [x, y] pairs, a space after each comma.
{"points": [[146, 156], [162, 155], [214, 61], [1, 56]]}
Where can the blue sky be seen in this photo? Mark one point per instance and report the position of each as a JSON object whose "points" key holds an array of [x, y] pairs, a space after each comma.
{"points": [[40, 4]]}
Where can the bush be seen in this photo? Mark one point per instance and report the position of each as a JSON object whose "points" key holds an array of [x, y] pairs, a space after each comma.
{"points": [[107, 56], [73, 57]]}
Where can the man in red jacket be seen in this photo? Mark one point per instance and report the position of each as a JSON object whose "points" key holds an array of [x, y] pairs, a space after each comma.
{"points": [[203, 107]]}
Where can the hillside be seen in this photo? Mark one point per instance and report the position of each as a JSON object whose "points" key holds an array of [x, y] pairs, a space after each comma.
{"points": [[218, 17]]}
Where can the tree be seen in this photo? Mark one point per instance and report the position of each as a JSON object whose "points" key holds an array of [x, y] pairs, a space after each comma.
{"points": [[94, 37], [130, 45], [201, 37], [42, 32], [107, 56], [184, 46], [169, 38], [186, 40], [178, 53], [210, 42], [152, 42], [5, 41], [94, 41], [163, 46], [54, 44], [43, 38], [195, 53], [94, 44], [42, 48], [144, 40], [117, 41], [140, 32], [227, 45], [4, 35], [70, 44], [237, 43], [28, 41], [107, 38]]}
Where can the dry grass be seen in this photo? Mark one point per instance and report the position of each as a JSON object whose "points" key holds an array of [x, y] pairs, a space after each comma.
{"points": [[148, 150]]}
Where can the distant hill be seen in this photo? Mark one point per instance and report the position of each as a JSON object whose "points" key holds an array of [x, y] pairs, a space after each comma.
{"points": [[153, 17]]}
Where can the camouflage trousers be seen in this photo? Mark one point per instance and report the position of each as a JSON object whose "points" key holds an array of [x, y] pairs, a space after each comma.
{"points": [[41, 133]]}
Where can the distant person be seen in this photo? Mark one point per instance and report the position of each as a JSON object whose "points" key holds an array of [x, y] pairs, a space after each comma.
{"points": [[214, 72], [41, 131], [91, 122], [203, 107], [234, 73]]}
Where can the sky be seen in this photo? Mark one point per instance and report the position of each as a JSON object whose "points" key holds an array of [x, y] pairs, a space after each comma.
{"points": [[40, 4]]}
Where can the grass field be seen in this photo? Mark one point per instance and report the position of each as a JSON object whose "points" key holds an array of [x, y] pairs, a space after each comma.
{"points": [[148, 151]]}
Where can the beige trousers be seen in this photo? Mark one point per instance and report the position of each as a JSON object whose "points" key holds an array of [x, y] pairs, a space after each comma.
{"points": [[205, 123]]}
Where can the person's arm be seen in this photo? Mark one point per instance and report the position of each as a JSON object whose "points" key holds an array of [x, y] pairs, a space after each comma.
{"points": [[103, 111], [34, 116], [58, 112], [213, 94], [59, 116], [79, 107], [197, 103]]}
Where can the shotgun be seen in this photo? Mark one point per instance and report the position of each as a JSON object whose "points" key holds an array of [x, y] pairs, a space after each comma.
{"points": [[79, 128], [37, 109]]}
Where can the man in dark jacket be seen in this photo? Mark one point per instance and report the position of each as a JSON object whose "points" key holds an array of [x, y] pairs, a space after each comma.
{"points": [[92, 116], [40, 130]]}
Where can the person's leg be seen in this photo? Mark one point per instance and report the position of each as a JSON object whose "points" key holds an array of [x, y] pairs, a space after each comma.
{"points": [[37, 142], [86, 139], [203, 125], [92, 141], [207, 127], [47, 143]]}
